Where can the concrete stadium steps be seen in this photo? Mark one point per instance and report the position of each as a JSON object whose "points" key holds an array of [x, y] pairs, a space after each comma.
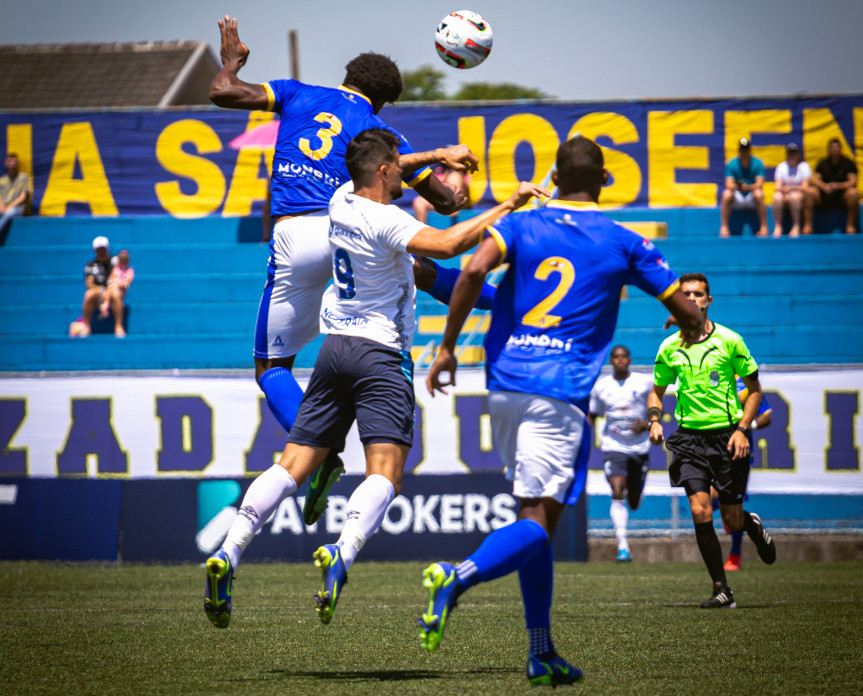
{"points": [[130, 231], [145, 318], [146, 259]]}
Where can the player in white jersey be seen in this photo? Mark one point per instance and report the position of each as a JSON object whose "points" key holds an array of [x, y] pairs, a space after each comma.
{"points": [[364, 371], [621, 398]]}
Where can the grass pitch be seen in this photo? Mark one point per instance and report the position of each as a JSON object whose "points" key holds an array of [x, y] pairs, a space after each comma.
{"points": [[633, 629]]}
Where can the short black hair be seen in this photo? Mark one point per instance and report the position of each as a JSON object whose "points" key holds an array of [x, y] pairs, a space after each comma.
{"points": [[579, 166], [622, 347], [367, 151], [834, 140], [695, 277], [376, 76]]}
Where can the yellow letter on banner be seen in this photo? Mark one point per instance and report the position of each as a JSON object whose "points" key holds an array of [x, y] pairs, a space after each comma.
{"points": [[624, 170], [246, 186], [858, 146], [471, 132], [77, 144], [513, 130], [664, 157], [743, 124], [206, 174], [819, 128]]}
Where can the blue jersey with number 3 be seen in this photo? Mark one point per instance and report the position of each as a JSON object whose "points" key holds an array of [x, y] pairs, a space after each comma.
{"points": [[317, 123], [555, 311]]}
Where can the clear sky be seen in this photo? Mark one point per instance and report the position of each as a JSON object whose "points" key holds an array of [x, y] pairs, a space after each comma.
{"points": [[570, 49]]}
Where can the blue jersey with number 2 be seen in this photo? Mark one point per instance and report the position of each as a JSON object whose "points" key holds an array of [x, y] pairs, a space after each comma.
{"points": [[317, 123], [555, 311]]}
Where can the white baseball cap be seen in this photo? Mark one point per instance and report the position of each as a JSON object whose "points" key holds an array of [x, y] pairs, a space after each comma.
{"points": [[100, 242]]}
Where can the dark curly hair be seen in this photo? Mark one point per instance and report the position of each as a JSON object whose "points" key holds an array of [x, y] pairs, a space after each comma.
{"points": [[376, 76]]}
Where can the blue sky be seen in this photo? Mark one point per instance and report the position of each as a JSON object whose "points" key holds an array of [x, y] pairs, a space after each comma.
{"points": [[570, 49]]}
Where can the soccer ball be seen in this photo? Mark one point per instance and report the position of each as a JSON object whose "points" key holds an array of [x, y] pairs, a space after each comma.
{"points": [[463, 39]]}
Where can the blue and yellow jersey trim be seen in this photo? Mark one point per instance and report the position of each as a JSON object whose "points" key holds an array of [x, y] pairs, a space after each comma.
{"points": [[669, 291], [353, 91], [572, 205], [271, 96], [421, 176], [498, 239]]}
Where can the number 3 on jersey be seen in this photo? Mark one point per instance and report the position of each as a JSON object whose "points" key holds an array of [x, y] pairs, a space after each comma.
{"points": [[325, 135], [539, 316], [344, 274]]}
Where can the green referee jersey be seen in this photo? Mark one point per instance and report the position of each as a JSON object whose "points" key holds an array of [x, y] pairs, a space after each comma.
{"points": [[707, 393]]}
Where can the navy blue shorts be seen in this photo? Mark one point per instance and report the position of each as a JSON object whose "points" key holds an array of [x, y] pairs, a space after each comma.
{"points": [[357, 379]]}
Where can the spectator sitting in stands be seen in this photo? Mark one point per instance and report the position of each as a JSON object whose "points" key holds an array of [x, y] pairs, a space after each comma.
{"points": [[96, 274], [835, 185], [455, 181], [113, 298], [14, 193], [792, 189], [744, 179]]}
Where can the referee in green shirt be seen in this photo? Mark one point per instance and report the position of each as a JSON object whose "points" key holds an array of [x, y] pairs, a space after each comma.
{"points": [[710, 446]]}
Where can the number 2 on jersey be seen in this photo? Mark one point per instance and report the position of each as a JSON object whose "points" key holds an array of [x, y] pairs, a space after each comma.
{"points": [[539, 316], [344, 275], [325, 135]]}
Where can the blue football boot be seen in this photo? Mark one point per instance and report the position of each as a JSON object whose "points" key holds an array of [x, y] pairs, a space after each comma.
{"points": [[623, 556], [439, 578], [217, 592], [334, 578], [552, 671]]}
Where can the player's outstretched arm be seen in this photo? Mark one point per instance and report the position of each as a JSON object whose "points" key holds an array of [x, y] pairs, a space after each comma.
{"points": [[444, 244], [686, 315], [443, 199], [226, 89], [464, 297]]}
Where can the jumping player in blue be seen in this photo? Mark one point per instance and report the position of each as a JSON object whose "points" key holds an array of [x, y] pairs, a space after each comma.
{"points": [[553, 318]]}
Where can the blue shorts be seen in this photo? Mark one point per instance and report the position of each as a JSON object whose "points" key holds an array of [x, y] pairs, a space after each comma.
{"points": [[357, 379]]}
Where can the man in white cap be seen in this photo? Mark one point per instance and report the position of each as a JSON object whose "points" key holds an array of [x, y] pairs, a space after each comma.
{"points": [[96, 274]]}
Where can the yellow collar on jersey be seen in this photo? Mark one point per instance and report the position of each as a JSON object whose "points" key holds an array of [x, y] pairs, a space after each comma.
{"points": [[577, 205], [353, 91]]}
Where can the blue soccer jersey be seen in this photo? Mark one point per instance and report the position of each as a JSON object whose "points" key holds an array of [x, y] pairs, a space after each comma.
{"points": [[555, 311], [317, 123], [743, 392]]}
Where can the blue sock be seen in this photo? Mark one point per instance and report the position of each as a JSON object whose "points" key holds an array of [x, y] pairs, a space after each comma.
{"points": [[714, 504], [445, 282], [537, 585], [501, 552], [736, 541], [283, 394]]}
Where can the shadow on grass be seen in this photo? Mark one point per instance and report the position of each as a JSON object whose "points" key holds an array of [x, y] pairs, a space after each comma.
{"points": [[383, 675]]}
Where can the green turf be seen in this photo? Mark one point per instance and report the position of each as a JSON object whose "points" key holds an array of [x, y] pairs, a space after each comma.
{"points": [[633, 629]]}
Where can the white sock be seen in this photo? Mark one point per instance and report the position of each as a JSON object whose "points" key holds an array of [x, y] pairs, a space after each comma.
{"points": [[619, 518], [366, 509], [261, 499]]}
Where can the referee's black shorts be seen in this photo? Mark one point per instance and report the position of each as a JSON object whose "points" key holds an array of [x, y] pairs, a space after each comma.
{"points": [[357, 378], [700, 459]]}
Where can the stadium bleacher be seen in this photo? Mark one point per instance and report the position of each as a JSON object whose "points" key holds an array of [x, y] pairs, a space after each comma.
{"points": [[198, 282]]}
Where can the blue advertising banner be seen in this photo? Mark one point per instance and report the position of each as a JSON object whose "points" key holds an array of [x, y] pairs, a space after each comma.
{"points": [[660, 154]]}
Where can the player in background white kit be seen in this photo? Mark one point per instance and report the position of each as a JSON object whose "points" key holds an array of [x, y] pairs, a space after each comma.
{"points": [[621, 398]]}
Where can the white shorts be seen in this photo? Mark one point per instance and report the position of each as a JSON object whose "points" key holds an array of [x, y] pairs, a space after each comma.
{"points": [[539, 440], [743, 201], [299, 268]]}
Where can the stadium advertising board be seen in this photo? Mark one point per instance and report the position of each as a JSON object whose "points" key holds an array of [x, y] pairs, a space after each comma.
{"points": [[189, 427], [179, 163]]}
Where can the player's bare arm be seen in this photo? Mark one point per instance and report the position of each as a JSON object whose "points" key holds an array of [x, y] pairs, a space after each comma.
{"points": [[459, 158], [738, 444], [227, 89], [654, 413], [444, 200], [444, 244], [464, 297], [686, 315]]}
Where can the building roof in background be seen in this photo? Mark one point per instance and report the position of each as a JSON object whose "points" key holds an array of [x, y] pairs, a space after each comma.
{"points": [[87, 75]]}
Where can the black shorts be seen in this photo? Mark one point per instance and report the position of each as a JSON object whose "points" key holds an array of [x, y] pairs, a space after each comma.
{"points": [[700, 459], [357, 378], [633, 466]]}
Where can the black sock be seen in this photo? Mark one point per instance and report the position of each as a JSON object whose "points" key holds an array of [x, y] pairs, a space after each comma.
{"points": [[711, 552]]}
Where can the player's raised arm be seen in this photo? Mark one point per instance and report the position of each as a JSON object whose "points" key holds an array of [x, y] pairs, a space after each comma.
{"points": [[227, 90], [458, 158], [444, 244], [686, 315]]}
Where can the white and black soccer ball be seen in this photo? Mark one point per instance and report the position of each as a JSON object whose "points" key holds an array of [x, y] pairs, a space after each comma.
{"points": [[463, 39]]}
